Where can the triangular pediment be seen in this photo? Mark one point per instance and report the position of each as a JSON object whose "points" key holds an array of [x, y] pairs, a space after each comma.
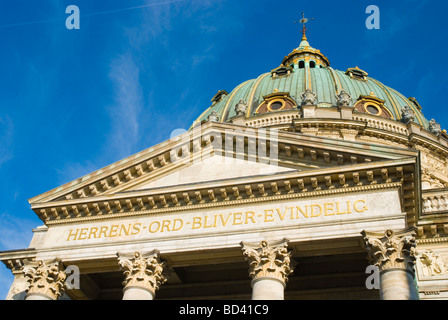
{"points": [[215, 155], [214, 168]]}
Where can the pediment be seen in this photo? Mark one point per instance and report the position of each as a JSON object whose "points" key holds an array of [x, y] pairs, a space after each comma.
{"points": [[214, 168], [217, 156]]}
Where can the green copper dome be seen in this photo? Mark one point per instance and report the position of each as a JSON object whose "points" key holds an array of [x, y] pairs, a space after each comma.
{"points": [[306, 68]]}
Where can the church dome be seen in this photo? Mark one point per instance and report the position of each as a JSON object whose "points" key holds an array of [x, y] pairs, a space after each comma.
{"points": [[306, 74]]}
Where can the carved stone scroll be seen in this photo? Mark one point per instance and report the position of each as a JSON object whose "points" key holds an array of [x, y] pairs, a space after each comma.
{"points": [[391, 249], [142, 270], [268, 260], [46, 280], [393, 252]]}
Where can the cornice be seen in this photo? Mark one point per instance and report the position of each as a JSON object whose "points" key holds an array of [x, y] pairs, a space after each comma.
{"points": [[429, 143], [16, 259], [160, 158], [432, 240], [338, 160], [294, 185], [228, 203], [307, 174]]}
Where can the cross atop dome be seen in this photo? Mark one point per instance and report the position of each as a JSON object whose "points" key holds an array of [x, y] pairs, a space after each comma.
{"points": [[303, 21]]}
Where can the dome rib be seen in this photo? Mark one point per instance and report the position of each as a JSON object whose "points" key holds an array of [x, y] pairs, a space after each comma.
{"points": [[397, 112], [334, 77], [321, 79], [250, 109], [417, 112], [232, 94]]}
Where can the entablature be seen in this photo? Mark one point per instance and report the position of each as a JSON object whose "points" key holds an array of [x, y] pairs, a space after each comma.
{"points": [[356, 178]]}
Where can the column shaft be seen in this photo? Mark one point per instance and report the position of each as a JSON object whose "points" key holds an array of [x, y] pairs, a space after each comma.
{"points": [[137, 293], [397, 284], [37, 296], [268, 289]]}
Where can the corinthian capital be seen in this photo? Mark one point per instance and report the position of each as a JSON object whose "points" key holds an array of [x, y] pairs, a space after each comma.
{"points": [[391, 249], [142, 270], [46, 279], [268, 260]]}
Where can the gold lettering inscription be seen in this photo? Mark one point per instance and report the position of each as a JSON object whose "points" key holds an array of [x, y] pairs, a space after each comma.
{"points": [[359, 210], [113, 231], [222, 219], [166, 225], [71, 234], [136, 228], [270, 215], [196, 223], [237, 218], [205, 223], [154, 227], [304, 213], [177, 224], [83, 234], [126, 231], [250, 215], [327, 208], [104, 232], [93, 232], [338, 211], [280, 214], [314, 213]]}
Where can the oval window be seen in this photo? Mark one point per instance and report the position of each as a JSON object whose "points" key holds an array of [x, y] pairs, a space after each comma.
{"points": [[372, 109], [276, 105]]}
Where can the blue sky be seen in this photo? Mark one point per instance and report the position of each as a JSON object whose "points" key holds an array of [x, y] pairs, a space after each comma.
{"points": [[74, 101]]}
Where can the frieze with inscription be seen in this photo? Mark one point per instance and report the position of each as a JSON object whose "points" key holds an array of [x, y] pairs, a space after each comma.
{"points": [[232, 219]]}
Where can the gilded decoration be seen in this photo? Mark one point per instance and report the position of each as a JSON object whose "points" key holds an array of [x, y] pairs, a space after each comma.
{"points": [[370, 104], [276, 101], [268, 260]]}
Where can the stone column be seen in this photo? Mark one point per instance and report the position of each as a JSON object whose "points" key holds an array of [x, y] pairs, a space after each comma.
{"points": [[46, 280], [393, 252], [269, 268], [143, 274]]}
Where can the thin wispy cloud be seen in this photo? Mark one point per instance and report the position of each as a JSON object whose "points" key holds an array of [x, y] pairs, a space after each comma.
{"points": [[16, 231], [125, 113], [91, 14], [6, 139], [134, 78]]}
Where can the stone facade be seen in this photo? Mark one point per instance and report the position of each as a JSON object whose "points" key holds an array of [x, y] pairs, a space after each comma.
{"points": [[294, 203]]}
